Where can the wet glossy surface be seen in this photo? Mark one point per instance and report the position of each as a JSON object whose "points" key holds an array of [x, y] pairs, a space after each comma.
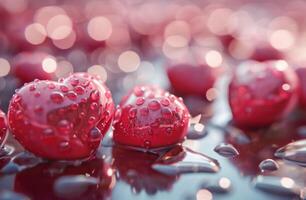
{"points": [[120, 173]]}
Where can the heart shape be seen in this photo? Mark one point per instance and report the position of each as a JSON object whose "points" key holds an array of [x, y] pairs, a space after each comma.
{"points": [[62, 120]]}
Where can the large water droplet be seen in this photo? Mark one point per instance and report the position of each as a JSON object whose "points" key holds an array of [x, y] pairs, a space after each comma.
{"points": [[154, 105], [140, 101], [57, 97], [226, 150], [222, 185], [73, 187], [268, 165], [95, 134], [277, 185], [196, 131], [183, 160], [293, 152]]}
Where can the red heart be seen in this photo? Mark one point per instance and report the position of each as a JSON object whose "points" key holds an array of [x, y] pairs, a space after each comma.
{"points": [[61, 120]]}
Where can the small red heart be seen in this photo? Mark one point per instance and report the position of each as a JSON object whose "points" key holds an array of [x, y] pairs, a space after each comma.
{"points": [[61, 120]]}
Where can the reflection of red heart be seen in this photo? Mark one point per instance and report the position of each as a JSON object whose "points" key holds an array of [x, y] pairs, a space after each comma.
{"points": [[61, 120], [3, 127]]}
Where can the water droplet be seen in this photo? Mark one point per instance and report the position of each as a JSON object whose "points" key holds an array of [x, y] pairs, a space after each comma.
{"points": [[140, 101], [73, 187], [32, 88], [95, 134], [277, 185], [144, 111], [183, 160], [48, 131], [74, 82], [147, 144], [64, 126], [293, 152], [226, 150], [64, 88], [167, 113], [64, 145], [139, 91], [37, 94], [79, 90], [6, 150], [74, 106], [51, 86], [268, 165], [154, 105], [38, 109], [57, 97], [94, 106], [71, 95], [221, 186], [132, 113], [165, 102], [196, 131], [95, 95], [91, 120]]}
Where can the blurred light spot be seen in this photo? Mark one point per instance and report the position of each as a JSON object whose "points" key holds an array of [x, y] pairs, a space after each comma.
{"points": [[286, 87], [199, 127], [98, 70], [59, 27], [15, 6], [281, 65], [99, 28], [224, 183], [65, 43], [282, 39], [129, 61], [204, 195], [44, 14], [177, 41], [145, 72], [64, 69], [110, 172], [218, 21], [35, 33], [211, 94], [4, 67], [287, 182], [241, 49], [49, 65], [213, 58]]}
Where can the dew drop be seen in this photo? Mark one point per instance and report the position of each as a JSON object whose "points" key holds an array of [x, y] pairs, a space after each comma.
{"points": [[95, 134], [139, 91], [71, 95], [79, 90], [64, 126], [57, 97], [38, 109], [183, 160], [144, 111], [64, 145], [64, 88], [140, 101], [51, 86], [95, 95], [268, 165], [91, 120], [294, 152], [48, 131], [165, 102], [167, 113], [32, 88], [94, 106], [74, 82], [154, 105], [226, 150]]}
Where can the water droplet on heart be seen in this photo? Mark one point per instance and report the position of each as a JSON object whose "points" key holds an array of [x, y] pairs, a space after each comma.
{"points": [[144, 111], [132, 113], [183, 160], [94, 106], [57, 97], [74, 106], [79, 90], [72, 187], [147, 144], [74, 82], [71, 95], [268, 165], [95, 134], [91, 120], [64, 126], [166, 113], [48, 131], [82, 115], [139, 91], [140, 101], [294, 152], [277, 185], [38, 109], [37, 94], [64, 145], [165, 102], [32, 88], [95, 95], [64, 88], [154, 105], [226, 150], [51, 86], [85, 83]]}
